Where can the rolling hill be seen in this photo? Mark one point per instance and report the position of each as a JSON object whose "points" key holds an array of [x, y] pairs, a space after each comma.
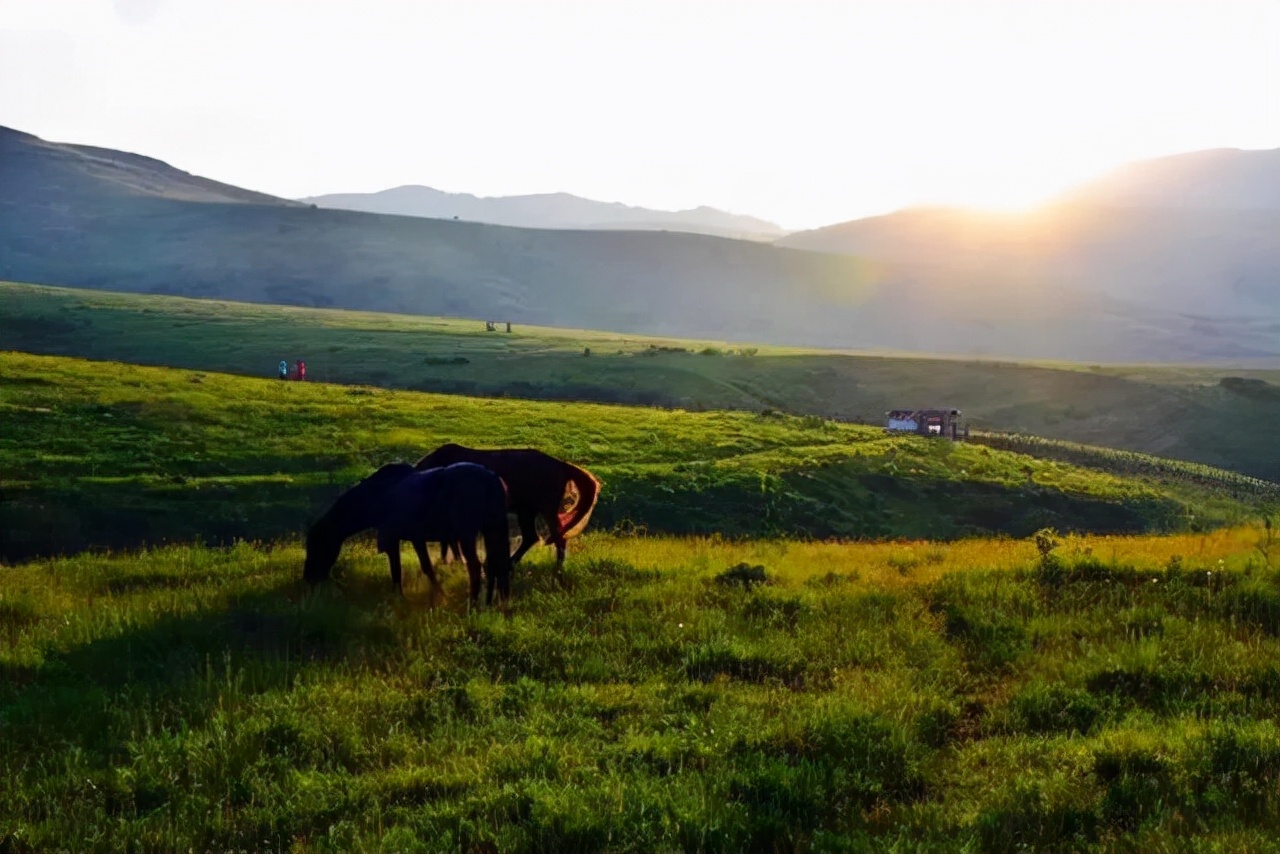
{"points": [[759, 689], [1194, 234], [108, 454], [1215, 416], [74, 216], [548, 210]]}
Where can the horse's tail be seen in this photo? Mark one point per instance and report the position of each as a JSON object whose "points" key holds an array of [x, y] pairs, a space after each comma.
{"points": [[574, 518]]}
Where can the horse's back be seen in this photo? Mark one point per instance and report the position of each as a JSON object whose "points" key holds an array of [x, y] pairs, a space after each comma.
{"points": [[468, 494], [527, 472]]}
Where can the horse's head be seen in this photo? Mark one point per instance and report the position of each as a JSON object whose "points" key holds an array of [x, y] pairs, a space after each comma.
{"points": [[322, 554]]}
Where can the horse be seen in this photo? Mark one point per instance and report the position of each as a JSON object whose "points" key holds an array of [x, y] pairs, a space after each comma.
{"points": [[451, 504], [537, 485]]}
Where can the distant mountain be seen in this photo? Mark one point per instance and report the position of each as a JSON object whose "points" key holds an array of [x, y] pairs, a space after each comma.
{"points": [[1194, 233], [88, 217], [548, 210], [1225, 179], [59, 172]]}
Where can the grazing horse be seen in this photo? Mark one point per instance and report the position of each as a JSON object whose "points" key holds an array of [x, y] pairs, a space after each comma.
{"points": [[452, 504], [537, 485]]}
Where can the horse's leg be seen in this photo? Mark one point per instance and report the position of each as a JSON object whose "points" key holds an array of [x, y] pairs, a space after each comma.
{"points": [[556, 538], [473, 566], [393, 557], [424, 558], [528, 534]]}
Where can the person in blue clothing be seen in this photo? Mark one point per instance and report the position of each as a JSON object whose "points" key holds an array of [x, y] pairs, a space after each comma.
{"points": [[284, 370]]}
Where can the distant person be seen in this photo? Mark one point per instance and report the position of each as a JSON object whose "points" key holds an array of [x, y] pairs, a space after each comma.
{"points": [[302, 370], [284, 370], [508, 325]]}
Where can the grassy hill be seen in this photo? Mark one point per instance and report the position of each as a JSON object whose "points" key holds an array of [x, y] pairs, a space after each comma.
{"points": [[1214, 416], [100, 454], [733, 690]]}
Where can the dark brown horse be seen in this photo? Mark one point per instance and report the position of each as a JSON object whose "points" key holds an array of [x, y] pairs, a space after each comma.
{"points": [[537, 485], [453, 504]]}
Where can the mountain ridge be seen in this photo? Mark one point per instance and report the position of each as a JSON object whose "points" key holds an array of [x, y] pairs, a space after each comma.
{"points": [[547, 210]]}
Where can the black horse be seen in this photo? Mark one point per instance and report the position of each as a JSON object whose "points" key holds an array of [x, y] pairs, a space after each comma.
{"points": [[537, 485], [453, 504]]}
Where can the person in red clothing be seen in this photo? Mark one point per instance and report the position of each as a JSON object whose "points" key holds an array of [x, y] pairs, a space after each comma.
{"points": [[302, 370]]}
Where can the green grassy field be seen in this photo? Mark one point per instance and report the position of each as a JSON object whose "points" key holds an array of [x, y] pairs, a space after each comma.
{"points": [[1118, 694], [1214, 416], [969, 681], [114, 455]]}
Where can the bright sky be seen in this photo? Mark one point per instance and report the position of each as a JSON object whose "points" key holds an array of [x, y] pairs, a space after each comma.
{"points": [[799, 111]]}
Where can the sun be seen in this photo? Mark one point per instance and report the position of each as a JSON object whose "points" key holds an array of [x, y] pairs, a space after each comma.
{"points": [[1016, 186]]}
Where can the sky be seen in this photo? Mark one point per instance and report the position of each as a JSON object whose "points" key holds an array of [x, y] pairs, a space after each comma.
{"points": [[801, 112]]}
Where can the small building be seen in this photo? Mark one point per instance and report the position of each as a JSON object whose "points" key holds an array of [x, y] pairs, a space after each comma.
{"points": [[927, 422]]}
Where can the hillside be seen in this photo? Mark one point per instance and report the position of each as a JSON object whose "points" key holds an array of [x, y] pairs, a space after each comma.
{"points": [[1193, 234], [1205, 415], [62, 221], [547, 210], [103, 454], [743, 691], [1224, 179], [85, 178]]}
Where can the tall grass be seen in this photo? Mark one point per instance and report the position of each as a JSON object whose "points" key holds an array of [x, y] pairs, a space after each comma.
{"points": [[1114, 693]]}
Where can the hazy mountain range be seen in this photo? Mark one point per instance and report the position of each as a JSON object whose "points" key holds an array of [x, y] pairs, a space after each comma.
{"points": [[1127, 271], [1196, 233], [548, 210]]}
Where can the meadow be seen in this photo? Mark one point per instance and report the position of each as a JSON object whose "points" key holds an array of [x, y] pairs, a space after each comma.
{"points": [[111, 455], [659, 694], [781, 633], [1215, 416]]}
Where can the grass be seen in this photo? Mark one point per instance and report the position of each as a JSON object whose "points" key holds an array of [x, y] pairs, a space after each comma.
{"points": [[877, 697], [745, 686], [1173, 411], [112, 455]]}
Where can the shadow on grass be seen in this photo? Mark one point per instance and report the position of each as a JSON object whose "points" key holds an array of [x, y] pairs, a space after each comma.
{"points": [[845, 501], [841, 501], [174, 671]]}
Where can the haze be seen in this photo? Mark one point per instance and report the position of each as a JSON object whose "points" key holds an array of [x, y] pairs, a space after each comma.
{"points": [[804, 113]]}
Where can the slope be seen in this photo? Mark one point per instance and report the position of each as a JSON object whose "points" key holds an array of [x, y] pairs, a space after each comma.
{"points": [[1194, 234], [1215, 416], [113, 455]]}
